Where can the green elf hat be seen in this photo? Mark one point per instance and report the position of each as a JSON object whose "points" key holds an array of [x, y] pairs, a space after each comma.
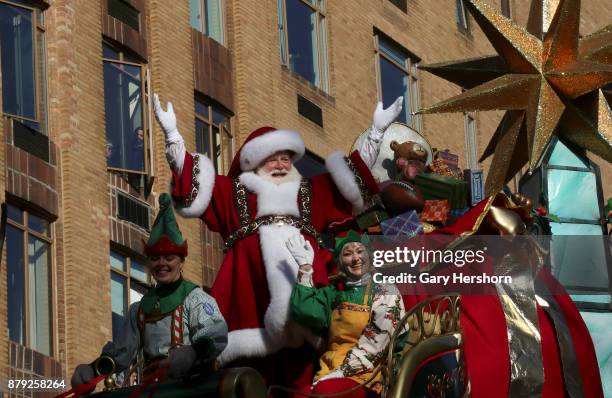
{"points": [[165, 237], [349, 237]]}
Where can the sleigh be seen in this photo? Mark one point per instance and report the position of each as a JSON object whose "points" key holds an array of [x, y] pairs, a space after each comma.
{"points": [[425, 356], [424, 359], [226, 383]]}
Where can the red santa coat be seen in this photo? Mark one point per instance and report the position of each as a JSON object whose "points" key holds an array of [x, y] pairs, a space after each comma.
{"points": [[257, 274], [485, 335]]}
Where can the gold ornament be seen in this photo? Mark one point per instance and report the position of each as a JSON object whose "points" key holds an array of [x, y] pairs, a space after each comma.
{"points": [[546, 77]]}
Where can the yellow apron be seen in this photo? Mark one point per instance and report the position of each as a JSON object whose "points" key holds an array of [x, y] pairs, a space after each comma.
{"points": [[347, 323]]}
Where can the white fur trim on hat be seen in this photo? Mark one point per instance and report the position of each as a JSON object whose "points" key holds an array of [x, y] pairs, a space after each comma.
{"points": [[258, 149]]}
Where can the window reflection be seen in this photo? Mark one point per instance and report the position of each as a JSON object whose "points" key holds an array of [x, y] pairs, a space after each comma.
{"points": [[15, 284], [207, 17], [213, 135], [129, 282], [17, 56], [394, 84], [303, 39], [39, 280], [398, 78], [119, 302], [29, 277], [123, 104]]}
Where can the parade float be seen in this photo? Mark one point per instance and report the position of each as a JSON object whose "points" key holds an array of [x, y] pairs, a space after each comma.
{"points": [[551, 83]]}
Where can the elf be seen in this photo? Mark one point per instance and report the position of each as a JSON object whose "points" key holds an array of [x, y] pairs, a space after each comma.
{"points": [[176, 325], [359, 319]]}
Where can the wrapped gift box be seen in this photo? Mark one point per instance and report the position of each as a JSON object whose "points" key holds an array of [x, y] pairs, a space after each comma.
{"points": [[439, 167], [406, 224], [371, 218], [437, 187], [450, 159], [435, 211]]}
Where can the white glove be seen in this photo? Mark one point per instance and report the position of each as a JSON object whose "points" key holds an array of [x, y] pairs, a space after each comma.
{"points": [[300, 249], [180, 361], [167, 121], [83, 374], [175, 145], [335, 374], [382, 118]]}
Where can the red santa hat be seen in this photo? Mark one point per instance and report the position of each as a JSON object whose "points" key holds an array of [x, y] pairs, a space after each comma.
{"points": [[262, 143]]}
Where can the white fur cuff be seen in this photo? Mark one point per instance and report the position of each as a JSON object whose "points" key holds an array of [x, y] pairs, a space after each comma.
{"points": [[248, 343], [345, 180], [204, 174]]}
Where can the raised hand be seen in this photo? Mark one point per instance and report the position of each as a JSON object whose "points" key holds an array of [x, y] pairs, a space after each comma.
{"points": [[382, 118], [300, 249], [167, 121]]}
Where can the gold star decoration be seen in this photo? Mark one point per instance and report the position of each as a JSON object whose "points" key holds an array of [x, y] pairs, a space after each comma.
{"points": [[547, 79]]}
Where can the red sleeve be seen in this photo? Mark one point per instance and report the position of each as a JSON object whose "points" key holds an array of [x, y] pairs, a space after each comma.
{"points": [[181, 184], [364, 173], [200, 192]]}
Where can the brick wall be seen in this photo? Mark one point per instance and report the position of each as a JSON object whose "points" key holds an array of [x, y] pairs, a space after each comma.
{"points": [[266, 91], [4, 347], [172, 75], [76, 123], [212, 69], [123, 232], [123, 34], [32, 179]]}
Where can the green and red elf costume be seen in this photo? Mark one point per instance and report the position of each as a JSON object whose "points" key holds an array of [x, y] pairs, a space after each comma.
{"points": [[358, 317], [178, 321]]}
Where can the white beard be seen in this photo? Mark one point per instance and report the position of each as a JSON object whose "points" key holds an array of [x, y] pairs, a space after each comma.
{"points": [[275, 196], [292, 175]]}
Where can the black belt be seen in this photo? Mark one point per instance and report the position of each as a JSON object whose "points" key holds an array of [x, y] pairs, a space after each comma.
{"points": [[254, 225]]}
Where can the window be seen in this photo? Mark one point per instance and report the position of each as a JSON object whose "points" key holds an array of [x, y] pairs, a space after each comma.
{"points": [[213, 135], [124, 104], [303, 39], [207, 17], [471, 143], [124, 12], [401, 4], [461, 14], [129, 282], [397, 76], [28, 258], [505, 8], [22, 56], [569, 185], [310, 165]]}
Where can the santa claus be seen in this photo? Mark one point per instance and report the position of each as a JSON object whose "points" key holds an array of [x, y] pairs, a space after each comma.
{"points": [[260, 203]]}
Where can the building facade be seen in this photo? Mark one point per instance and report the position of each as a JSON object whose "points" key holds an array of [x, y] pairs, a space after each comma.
{"points": [[83, 157]]}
